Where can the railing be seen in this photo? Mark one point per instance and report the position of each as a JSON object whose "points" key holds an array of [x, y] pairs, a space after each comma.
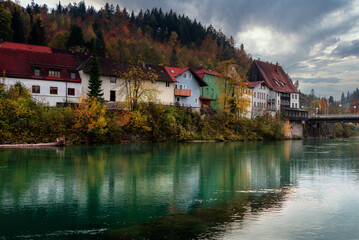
{"points": [[183, 92], [347, 115]]}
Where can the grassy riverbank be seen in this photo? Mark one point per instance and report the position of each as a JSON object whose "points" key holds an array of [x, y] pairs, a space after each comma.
{"points": [[24, 121]]}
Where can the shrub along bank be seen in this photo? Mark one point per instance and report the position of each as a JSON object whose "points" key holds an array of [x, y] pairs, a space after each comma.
{"points": [[24, 121]]}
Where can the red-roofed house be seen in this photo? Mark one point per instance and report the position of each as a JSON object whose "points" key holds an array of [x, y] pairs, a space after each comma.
{"points": [[51, 78], [273, 90], [187, 87], [212, 91]]}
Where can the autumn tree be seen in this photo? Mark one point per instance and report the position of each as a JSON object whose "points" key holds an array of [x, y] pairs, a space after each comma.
{"points": [[139, 83], [235, 94], [95, 81], [6, 32]]}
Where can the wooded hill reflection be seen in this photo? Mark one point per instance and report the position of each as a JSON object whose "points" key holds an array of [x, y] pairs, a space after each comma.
{"points": [[126, 186]]}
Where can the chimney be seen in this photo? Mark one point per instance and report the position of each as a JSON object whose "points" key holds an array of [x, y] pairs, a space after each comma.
{"points": [[276, 67]]}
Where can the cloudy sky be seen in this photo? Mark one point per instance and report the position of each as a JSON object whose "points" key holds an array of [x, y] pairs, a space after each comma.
{"points": [[316, 41]]}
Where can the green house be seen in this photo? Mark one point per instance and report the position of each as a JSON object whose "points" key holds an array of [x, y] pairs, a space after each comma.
{"points": [[212, 91]]}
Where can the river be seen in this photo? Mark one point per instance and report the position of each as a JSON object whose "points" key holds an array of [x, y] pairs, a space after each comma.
{"points": [[258, 190]]}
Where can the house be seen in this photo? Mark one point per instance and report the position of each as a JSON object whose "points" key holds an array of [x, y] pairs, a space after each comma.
{"points": [[52, 78], [115, 87], [273, 90], [212, 91], [188, 85]]}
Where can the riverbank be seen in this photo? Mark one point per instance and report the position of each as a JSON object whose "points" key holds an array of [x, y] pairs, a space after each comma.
{"points": [[24, 121]]}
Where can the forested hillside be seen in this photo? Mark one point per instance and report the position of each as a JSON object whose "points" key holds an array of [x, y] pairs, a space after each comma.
{"points": [[153, 35]]}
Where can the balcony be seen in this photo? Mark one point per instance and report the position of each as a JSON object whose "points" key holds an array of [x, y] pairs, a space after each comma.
{"points": [[183, 92]]}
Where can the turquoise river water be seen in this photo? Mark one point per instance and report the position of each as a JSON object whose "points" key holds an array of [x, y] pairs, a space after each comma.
{"points": [[269, 190]]}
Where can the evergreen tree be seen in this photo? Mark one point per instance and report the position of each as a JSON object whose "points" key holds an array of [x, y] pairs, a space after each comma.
{"points": [[17, 25], [100, 43], [37, 34], [5, 25], [342, 99], [76, 37], [331, 99], [95, 81]]}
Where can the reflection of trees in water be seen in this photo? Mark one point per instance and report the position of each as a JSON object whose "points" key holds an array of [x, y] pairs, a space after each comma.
{"points": [[89, 185], [204, 222]]}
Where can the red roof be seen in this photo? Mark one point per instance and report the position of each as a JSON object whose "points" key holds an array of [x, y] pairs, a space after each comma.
{"points": [[200, 72], [206, 99], [25, 47], [20, 64], [275, 77], [252, 84], [174, 72]]}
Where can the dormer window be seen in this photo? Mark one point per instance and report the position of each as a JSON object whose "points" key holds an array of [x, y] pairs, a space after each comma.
{"points": [[72, 75], [36, 72], [173, 72], [54, 74]]}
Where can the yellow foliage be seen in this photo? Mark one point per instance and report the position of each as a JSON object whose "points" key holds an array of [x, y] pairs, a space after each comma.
{"points": [[90, 117], [286, 128], [235, 93]]}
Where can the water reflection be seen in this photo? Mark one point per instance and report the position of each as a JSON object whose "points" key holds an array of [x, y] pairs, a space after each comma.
{"points": [[155, 190]]}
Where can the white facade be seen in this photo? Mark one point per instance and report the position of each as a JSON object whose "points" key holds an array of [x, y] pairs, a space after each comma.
{"points": [[261, 95], [114, 89], [294, 100], [44, 96]]}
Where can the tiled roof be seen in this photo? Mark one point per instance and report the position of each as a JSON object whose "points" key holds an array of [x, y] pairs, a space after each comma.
{"points": [[208, 99], [275, 77], [252, 84], [25, 47], [174, 72], [200, 72], [19, 63], [110, 67]]}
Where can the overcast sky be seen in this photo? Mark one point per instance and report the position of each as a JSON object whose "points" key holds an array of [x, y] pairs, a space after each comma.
{"points": [[316, 41]]}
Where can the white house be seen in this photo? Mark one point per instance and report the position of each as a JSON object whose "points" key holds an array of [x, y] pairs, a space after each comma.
{"points": [[52, 78], [273, 90], [114, 84]]}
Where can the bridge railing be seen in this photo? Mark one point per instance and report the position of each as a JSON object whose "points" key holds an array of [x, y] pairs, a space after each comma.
{"points": [[347, 115]]}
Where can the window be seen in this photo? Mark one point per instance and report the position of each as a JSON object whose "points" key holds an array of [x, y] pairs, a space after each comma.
{"points": [[184, 86], [296, 96], [181, 86], [190, 76], [54, 74], [36, 72], [185, 75], [112, 79], [73, 75], [112, 95], [35, 89], [212, 92], [178, 99], [71, 91], [53, 90], [254, 94], [207, 91], [167, 84], [196, 100], [254, 104]]}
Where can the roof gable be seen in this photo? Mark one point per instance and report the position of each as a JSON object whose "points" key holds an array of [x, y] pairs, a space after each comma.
{"points": [[175, 72], [274, 76]]}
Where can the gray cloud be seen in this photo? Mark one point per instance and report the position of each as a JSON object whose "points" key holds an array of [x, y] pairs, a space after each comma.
{"points": [[346, 49], [318, 80], [307, 37]]}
